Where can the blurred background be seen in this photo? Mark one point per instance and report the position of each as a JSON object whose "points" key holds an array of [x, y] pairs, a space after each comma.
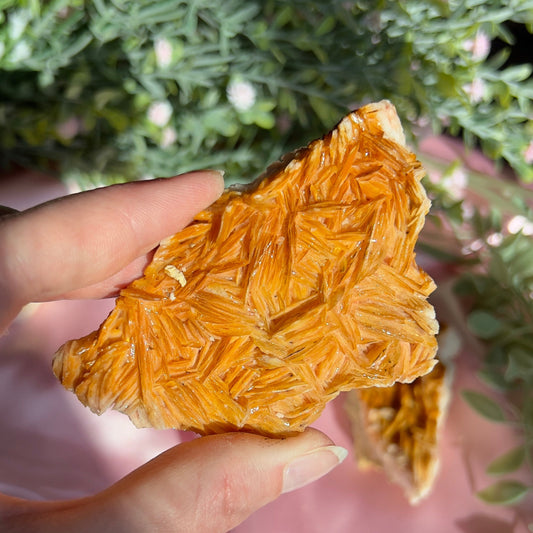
{"points": [[110, 90]]}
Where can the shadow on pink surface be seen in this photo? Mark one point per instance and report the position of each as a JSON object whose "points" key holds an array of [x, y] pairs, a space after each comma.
{"points": [[42, 457]]}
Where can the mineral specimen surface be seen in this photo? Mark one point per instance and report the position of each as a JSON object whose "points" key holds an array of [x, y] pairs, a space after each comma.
{"points": [[398, 428], [277, 297]]}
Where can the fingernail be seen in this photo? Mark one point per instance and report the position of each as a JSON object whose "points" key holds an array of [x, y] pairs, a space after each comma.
{"points": [[218, 171], [311, 466], [219, 174]]}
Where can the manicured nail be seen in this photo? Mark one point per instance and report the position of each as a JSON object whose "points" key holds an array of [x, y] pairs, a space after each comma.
{"points": [[311, 466]]}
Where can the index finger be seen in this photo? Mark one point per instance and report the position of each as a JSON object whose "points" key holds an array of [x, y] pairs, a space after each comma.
{"points": [[79, 241]]}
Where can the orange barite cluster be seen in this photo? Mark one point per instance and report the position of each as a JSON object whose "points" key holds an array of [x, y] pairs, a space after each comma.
{"points": [[275, 298], [398, 429]]}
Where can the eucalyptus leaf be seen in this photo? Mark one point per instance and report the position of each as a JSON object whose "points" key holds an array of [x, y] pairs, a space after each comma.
{"points": [[484, 405], [484, 324], [507, 492], [508, 462], [520, 364]]}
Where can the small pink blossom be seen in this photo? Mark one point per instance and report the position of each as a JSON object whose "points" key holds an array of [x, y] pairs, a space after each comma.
{"points": [[495, 239], [434, 176], [467, 210], [518, 224], [422, 121], [168, 137], [456, 183], [64, 12], [241, 95], [163, 52], [473, 247], [479, 46], [475, 90], [528, 153], [159, 113], [69, 128], [476, 245]]}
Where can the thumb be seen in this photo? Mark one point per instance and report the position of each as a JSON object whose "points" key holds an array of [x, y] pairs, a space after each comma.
{"points": [[214, 483], [208, 485]]}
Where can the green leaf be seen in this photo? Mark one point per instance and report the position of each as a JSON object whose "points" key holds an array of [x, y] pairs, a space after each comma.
{"points": [[266, 105], [324, 110], [506, 492], [484, 324], [220, 120], [104, 96], [264, 120], [520, 364], [484, 405], [508, 462], [326, 26], [516, 74], [498, 268], [117, 120]]}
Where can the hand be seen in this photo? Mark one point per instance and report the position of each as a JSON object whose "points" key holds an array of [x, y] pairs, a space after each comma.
{"points": [[90, 245]]}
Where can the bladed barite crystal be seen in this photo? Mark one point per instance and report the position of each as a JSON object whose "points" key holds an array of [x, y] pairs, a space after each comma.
{"points": [[277, 297], [398, 429]]}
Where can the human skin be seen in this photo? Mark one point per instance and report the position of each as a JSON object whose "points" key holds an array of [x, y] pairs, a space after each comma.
{"points": [[102, 240]]}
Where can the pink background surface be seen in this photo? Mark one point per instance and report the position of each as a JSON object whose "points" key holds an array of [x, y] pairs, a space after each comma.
{"points": [[52, 447]]}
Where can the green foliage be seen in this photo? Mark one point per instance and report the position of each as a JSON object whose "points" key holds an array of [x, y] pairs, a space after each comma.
{"points": [[502, 316], [508, 462], [483, 324], [487, 227], [78, 79], [484, 405], [505, 492]]}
